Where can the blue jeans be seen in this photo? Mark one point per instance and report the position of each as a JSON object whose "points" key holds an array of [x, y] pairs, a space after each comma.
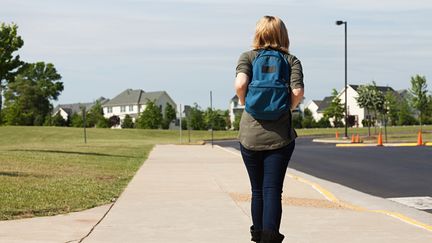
{"points": [[266, 171]]}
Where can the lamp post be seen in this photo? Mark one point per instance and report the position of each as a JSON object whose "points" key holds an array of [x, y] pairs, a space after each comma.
{"points": [[340, 22]]}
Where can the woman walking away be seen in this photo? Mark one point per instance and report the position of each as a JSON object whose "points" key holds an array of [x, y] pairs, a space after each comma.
{"points": [[269, 82]]}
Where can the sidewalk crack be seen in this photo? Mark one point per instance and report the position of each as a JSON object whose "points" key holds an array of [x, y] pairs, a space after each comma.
{"points": [[100, 220]]}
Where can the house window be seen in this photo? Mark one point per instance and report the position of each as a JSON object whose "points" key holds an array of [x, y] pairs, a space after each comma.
{"points": [[131, 108], [109, 109], [123, 108]]}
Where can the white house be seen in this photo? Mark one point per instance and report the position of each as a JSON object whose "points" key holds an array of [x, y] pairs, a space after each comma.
{"points": [[355, 113], [235, 109], [133, 102], [353, 109], [317, 107], [67, 110]]}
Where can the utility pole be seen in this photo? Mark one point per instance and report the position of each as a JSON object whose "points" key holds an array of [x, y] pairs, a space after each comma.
{"points": [[180, 114], [340, 22], [84, 124], [211, 117]]}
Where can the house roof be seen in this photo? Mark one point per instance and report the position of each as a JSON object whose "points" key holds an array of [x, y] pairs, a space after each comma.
{"points": [[323, 104], [137, 96], [383, 89], [76, 107], [317, 102], [145, 97], [72, 108], [234, 98], [127, 97], [404, 93]]}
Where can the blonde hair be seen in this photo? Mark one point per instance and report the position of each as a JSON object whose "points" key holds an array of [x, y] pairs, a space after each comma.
{"points": [[271, 33]]}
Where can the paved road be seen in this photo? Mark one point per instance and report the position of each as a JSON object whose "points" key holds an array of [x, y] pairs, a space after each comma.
{"points": [[388, 172]]}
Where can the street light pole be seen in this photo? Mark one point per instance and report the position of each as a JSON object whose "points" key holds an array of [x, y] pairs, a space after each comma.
{"points": [[211, 117], [340, 22]]}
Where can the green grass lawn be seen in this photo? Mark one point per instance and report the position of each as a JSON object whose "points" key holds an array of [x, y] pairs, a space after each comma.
{"points": [[49, 170]]}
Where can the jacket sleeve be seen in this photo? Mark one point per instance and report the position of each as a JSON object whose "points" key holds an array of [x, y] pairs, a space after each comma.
{"points": [[296, 79], [244, 64]]}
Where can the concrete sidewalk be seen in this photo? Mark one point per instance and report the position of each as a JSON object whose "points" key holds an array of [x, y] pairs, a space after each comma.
{"points": [[199, 194]]}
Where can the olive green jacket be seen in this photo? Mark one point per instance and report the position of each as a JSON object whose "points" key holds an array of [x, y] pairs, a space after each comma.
{"points": [[268, 135]]}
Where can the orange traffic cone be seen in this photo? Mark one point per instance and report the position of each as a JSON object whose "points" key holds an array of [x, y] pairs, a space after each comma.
{"points": [[337, 135], [352, 139], [380, 140], [357, 140], [419, 139]]}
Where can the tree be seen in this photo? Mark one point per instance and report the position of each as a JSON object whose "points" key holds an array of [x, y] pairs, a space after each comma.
{"points": [[184, 123], [196, 118], [77, 120], [323, 122], [308, 120], [169, 115], [114, 121], [151, 117], [227, 119], [127, 122], [214, 119], [365, 101], [393, 107], [95, 116], [297, 120], [419, 98], [219, 122], [27, 98], [371, 99], [102, 123], [10, 42], [427, 115], [236, 123], [405, 114], [335, 110], [58, 121]]}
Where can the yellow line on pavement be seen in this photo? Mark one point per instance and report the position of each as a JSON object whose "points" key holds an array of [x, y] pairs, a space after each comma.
{"points": [[332, 198], [404, 219], [329, 196]]}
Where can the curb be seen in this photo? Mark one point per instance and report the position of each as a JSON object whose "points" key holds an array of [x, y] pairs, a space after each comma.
{"points": [[384, 145]]}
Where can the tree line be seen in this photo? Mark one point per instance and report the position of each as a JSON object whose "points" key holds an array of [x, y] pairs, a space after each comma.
{"points": [[28, 88], [382, 108], [151, 118]]}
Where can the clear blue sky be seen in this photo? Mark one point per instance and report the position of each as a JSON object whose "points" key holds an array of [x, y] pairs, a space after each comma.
{"points": [[189, 47]]}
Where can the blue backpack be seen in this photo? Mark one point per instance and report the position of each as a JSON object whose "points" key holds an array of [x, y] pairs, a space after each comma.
{"points": [[269, 95]]}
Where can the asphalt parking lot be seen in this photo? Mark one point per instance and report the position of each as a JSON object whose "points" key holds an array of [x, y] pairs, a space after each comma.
{"points": [[397, 173]]}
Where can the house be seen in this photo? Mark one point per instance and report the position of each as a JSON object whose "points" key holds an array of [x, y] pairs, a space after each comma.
{"points": [[132, 102], [235, 109], [67, 110], [317, 107], [355, 113]]}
